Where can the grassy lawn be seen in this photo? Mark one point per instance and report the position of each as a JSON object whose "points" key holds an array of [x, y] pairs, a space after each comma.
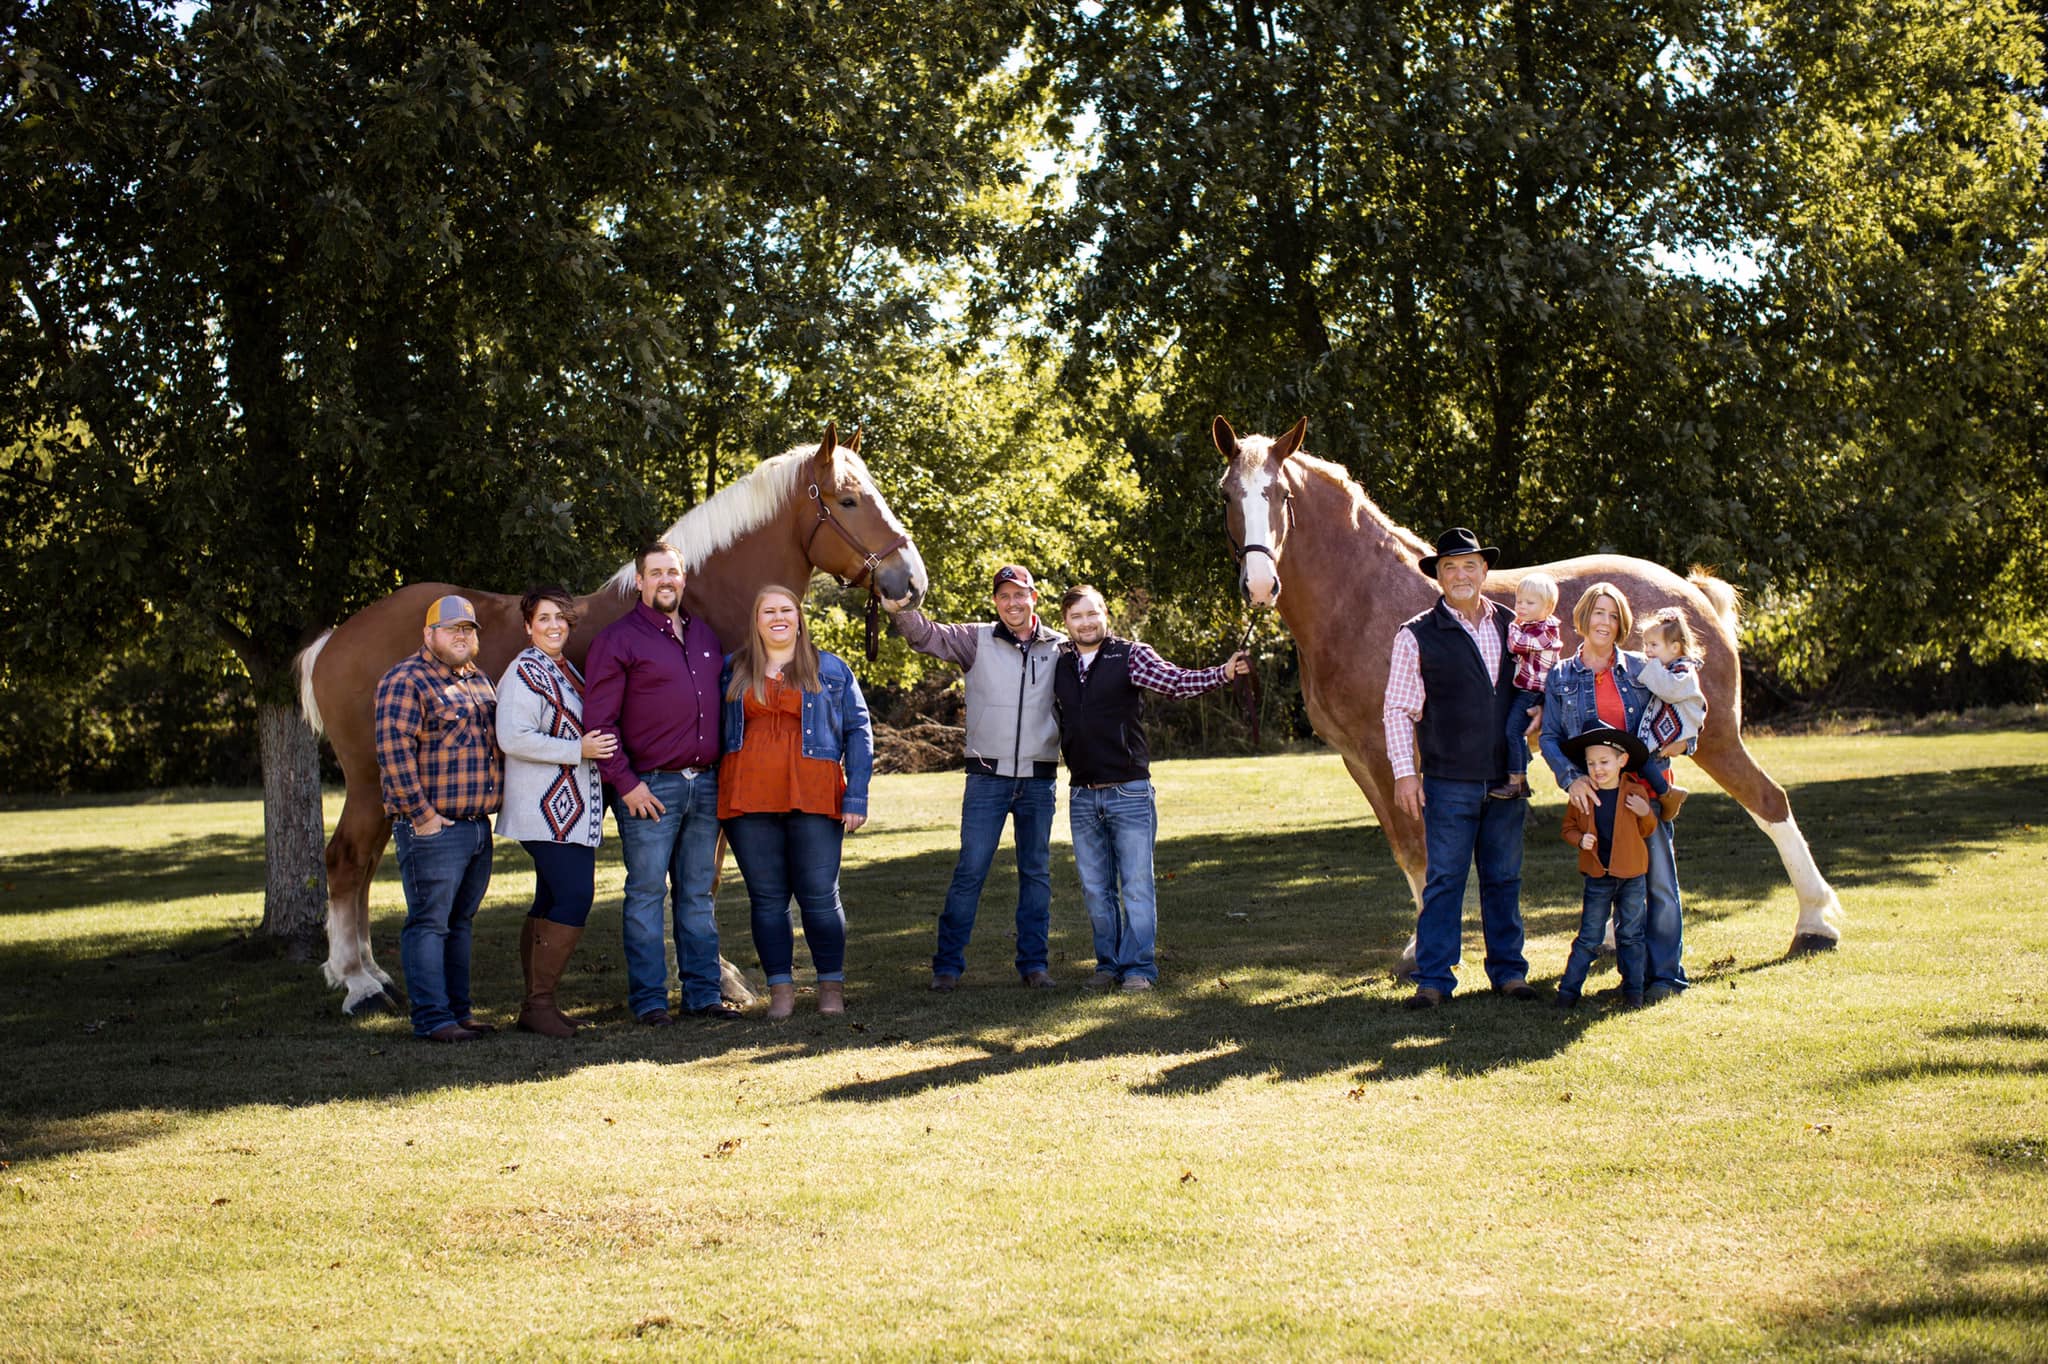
{"points": [[1840, 1156]]}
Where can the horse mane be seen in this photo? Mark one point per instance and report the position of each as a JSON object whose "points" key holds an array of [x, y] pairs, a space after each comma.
{"points": [[739, 508], [1339, 475]]}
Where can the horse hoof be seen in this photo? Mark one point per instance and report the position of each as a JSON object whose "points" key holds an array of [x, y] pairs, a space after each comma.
{"points": [[378, 1003], [1804, 943], [396, 998]]}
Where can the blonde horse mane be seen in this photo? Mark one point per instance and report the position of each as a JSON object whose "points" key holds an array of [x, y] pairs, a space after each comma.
{"points": [[1339, 475], [741, 507]]}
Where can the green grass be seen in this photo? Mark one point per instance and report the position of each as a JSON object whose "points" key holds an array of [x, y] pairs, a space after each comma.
{"points": [[1840, 1156]]}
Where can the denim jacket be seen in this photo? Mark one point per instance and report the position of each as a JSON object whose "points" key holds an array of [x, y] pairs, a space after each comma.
{"points": [[1570, 707], [836, 726]]}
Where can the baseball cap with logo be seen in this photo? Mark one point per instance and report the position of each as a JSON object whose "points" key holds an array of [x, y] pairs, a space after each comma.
{"points": [[1013, 573], [450, 610]]}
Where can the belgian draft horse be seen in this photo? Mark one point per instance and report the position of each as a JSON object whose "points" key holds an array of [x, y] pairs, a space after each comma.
{"points": [[1353, 579], [801, 511]]}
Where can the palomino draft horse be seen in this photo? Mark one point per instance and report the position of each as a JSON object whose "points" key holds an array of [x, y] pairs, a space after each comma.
{"points": [[1354, 579], [804, 510]]}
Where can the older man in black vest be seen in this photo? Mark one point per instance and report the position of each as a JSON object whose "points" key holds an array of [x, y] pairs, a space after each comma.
{"points": [[1449, 688]]}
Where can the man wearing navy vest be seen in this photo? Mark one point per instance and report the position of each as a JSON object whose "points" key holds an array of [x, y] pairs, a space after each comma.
{"points": [[1449, 687], [1013, 754], [1097, 698]]}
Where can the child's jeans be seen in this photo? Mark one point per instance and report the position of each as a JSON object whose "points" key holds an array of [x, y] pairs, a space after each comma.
{"points": [[1518, 730], [1629, 898], [1656, 774]]}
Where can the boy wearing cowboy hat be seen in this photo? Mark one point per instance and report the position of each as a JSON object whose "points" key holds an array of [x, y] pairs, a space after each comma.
{"points": [[1613, 857]]}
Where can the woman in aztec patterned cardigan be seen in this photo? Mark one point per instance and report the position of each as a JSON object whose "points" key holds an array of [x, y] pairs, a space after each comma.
{"points": [[554, 799]]}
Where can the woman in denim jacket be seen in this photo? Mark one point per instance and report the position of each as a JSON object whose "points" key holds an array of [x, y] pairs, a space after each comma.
{"points": [[793, 783], [1599, 685]]}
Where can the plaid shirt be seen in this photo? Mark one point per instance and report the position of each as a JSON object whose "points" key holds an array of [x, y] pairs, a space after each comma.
{"points": [[1154, 673], [1535, 647], [437, 745], [1404, 699]]}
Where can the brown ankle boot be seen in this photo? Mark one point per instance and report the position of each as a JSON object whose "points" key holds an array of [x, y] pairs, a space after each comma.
{"points": [[831, 996], [781, 1001], [1670, 801], [552, 944]]}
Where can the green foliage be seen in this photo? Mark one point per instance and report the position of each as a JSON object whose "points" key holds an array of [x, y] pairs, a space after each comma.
{"points": [[1707, 282], [314, 298]]}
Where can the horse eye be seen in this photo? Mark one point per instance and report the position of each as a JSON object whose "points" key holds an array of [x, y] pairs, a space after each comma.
{"points": [[849, 502]]}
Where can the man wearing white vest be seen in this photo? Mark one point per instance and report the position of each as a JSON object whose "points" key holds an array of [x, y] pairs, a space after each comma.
{"points": [[1013, 750]]}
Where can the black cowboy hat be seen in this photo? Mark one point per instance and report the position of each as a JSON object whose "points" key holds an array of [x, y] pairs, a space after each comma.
{"points": [[1638, 753], [1455, 541]]}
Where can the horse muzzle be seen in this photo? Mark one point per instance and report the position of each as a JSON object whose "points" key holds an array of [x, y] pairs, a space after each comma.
{"points": [[1262, 591], [901, 580]]}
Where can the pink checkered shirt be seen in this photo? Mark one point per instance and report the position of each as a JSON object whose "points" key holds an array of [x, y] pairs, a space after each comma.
{"points": [[1404, 685]]}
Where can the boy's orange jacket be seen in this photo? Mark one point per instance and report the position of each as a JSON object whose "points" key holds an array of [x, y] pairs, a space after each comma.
{"points": [[1631, 854]]}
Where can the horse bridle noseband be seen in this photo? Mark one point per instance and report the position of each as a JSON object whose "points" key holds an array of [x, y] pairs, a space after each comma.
{"points": [[1286, 525], [870, 563], [1251, 696]]}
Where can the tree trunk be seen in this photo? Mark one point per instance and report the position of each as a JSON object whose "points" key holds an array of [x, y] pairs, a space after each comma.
{"points": [[295, 881]]}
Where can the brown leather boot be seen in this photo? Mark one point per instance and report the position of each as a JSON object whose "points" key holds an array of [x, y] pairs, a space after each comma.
{"points": [[781, 1001], [831, 996], [1668, 803], [526, 947], [552, 944]]}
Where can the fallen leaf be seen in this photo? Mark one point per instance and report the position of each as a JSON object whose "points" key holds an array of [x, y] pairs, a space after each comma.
{"points": [[221, 1202], [1188, 1177], [507, 1169], [1565, 1097], [1356, 1093], [724, 1148]]}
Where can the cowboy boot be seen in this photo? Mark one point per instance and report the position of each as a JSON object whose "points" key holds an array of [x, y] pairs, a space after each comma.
{"points": [[526, 947], [831, 996], [552, 944]]}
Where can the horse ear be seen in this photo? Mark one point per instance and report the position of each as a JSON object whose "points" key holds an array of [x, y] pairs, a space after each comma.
{"points": [[831, 441], [1225, 438], [1290, 442], [854, 443]]}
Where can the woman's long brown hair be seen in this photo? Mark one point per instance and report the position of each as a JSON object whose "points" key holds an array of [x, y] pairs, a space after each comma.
{"points": [[750, 665]]}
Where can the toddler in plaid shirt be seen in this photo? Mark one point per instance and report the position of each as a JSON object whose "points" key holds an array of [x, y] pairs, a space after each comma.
{"points": [[1534, 638]]}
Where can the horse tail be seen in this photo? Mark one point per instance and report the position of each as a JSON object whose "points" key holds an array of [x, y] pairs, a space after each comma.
{"points": [[304, 663], [1723, 597]]}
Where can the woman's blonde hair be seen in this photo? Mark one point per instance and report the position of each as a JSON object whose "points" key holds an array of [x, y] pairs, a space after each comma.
{"points": [[1670, 623], [1543, 585], [750, 665], [1625, 619]]}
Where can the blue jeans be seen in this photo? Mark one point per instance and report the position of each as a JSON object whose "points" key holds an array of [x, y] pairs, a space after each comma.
{"points": [[1518, 730], [679, 848], [1627, 898], [445, 877], [1114, 828], [792, 854], [1460, 824], [1664, 934], [984, 807]]}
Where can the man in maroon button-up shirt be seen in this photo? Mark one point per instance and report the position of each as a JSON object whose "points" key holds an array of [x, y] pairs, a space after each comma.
{"points": [[653, 681]]}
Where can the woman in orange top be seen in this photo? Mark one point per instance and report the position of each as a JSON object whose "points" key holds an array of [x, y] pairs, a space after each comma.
{"points": [[794, 782]]}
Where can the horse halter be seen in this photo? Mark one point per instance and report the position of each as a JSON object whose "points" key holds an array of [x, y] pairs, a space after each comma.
{"points": [[1286, 524], [870, 563]]}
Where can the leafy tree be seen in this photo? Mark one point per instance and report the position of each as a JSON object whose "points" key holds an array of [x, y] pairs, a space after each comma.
{"points": [[1706, 281], [311, 298]]}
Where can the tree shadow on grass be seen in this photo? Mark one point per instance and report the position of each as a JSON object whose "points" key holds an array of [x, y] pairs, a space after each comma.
{"points": [[1973, 1301], [1277, 948], [79, 878]]}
